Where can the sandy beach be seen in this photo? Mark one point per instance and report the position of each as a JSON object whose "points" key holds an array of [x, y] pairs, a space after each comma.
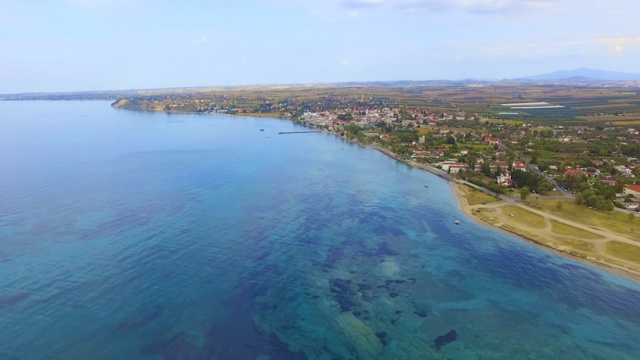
{"points": [[542, 232]]}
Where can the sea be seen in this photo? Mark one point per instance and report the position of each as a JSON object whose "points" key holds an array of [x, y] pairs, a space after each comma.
{"points": [[138, 235]]}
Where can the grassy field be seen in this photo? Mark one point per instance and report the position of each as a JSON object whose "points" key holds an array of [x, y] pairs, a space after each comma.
{"points": [[473, 196], [609, 220], [576, 246], [521, 215], [568, 230], [623, 251]]}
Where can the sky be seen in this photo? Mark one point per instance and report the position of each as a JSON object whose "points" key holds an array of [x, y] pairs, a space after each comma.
{"points": [[75, 45]]}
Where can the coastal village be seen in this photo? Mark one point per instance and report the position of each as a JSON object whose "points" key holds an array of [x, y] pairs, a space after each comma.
{"points": [[597, 165], [562, 177], [505, 151]]}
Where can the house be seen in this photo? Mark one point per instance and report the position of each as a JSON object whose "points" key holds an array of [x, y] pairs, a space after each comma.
{"points": [[453, 167], [464, 151], [573, 172], [519, 165], [491, 140], [498, 164], [623, 170], [631, 190], [504, 180]]}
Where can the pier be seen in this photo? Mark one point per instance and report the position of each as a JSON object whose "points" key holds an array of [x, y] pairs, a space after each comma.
{"points": [[298, 132]]}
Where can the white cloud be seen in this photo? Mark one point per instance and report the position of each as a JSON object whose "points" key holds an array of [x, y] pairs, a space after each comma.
{"points": [[619, 43]]}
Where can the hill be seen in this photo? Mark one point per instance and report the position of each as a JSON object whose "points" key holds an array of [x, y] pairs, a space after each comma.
{"points": [[586, 74]]}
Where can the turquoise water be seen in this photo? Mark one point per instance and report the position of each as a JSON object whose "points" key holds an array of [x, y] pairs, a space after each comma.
{"points": [[139, 235]]}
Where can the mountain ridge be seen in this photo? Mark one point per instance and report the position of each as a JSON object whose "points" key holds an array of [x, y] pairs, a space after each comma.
{"points": [[585, 74]]}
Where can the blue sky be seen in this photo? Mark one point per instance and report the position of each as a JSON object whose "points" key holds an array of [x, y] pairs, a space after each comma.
{"points": [[68, 45]]}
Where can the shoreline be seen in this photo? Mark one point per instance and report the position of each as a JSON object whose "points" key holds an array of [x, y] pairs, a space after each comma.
{"points": [[461, 202], [465, 209]]}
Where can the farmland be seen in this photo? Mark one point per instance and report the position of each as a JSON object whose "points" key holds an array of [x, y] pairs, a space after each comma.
{"points": [[579, 105]]}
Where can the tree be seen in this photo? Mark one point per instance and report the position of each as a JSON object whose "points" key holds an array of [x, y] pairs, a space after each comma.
{"points": [[524, 193], [579, 199], [630, 217], [559, 205]]}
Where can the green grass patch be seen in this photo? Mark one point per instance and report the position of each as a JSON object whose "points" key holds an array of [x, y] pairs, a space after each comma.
{"points": [[623, 251], [571, 231], [577, 246], [475, 197], [606, 220], [524, 216]]}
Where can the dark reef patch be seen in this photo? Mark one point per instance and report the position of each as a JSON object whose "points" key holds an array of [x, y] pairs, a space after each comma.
{"points": [[341, 290], [334, 255], [364, 287], [445, 339], [421, 313], [14, 299]]}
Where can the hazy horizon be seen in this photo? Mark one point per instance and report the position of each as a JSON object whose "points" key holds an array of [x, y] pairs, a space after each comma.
{"points": [[91, 45]]}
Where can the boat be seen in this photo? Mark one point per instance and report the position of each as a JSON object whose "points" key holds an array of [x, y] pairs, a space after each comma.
{"points": [[261, 129], [426, 186], [457, 222]]}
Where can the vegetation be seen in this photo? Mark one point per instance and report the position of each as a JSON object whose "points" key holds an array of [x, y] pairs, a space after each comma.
{"points": [[605, 220], [475, 197], [623, 251], [571, 231]]}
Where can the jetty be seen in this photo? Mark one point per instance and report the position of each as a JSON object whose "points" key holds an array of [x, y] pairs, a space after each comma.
{"points": [[298, 132]]}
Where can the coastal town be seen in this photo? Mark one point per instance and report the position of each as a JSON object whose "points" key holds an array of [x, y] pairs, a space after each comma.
{"points": [[508, 145], [511, 158], [598, 166]]}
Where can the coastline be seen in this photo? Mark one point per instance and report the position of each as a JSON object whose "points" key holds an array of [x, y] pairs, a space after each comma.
{"points": [[609, 267], [463, 206], [465, 209]]}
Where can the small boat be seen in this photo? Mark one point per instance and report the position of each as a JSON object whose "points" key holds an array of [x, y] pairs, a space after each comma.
{"points": [[457, 222], [261, 129]]}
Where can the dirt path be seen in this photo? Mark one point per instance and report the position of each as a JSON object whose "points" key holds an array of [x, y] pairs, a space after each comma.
{"points": [[605, 234]]}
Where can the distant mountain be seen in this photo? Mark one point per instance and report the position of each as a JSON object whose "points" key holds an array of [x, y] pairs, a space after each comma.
{"points": [[585, 74]]}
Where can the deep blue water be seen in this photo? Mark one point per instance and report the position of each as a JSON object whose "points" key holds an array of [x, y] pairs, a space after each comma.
{"points": [[140, 235]]}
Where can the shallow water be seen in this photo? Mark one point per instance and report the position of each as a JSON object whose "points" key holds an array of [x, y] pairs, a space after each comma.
{"points": [[142, 235]]}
